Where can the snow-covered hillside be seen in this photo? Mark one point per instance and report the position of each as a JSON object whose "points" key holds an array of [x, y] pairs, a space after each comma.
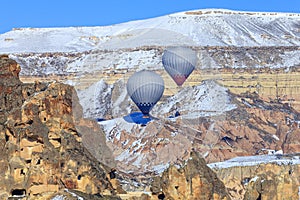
{"points": [[279, 159], [222, 38], [207, 99], [102, 100], [216, 27], [135, 146]]}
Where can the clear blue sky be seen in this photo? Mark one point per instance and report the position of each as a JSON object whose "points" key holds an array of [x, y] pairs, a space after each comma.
{"points": [[61, 13]]}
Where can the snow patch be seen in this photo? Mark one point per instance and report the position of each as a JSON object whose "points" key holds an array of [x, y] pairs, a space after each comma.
{"points": [[275, 137], [254, 179], [160, 168], [256, 160], [207, 99], [94, 99], [58, 197], [111, 128]]}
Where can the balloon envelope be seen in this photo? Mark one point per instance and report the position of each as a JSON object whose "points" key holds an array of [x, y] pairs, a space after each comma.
{"points": [[145, 88], [179, 62]]}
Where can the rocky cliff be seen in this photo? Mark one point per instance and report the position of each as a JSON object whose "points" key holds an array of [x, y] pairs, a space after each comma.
{"points": [[261, 177], [42, 137], [249, 178], [194, 180]]}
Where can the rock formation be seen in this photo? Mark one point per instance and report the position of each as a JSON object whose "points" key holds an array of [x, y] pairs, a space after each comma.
{"points": [[193, 181], [41, 138], [47, 146], [261, 177], [215, 122], [253, 177]]}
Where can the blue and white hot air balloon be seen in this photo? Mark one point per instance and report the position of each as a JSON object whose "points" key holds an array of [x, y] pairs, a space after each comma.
{"points": [[145, 88], [179, 62]]}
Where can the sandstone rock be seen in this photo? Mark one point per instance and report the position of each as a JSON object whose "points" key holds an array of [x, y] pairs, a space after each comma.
{"points": [[262, 181], [75, 195], [4, 194], [40, 189], [192, 181], [42, 149]]}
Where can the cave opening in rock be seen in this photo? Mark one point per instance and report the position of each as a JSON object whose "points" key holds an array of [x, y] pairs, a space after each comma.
{"points": [[112, 174], [58, 140], [259, 197], [6, 138], [28, 161], [18, 192], [161, 196], [22, 172]]}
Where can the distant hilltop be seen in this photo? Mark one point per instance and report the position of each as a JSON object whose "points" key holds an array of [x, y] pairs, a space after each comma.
{"points": [[229, 12], [207, 27]]}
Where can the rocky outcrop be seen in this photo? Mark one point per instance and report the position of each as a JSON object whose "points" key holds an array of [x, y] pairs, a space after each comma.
{"points": [[261, 177], [252, 177], [41, 140], [213, 121], [256, 127], [193, 181]]}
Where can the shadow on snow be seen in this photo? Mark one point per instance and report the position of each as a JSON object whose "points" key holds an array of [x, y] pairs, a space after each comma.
{"points": [[137, 117]]}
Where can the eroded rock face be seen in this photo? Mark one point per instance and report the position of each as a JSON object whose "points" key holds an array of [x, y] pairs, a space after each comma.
{"points": [[251, 126], [41, 139], [256, 127], [278, 179], [193, 181], [253, 177]]}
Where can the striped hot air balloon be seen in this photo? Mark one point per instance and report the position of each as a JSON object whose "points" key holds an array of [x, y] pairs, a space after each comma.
{"points": [[145, 88], [179, 62]]}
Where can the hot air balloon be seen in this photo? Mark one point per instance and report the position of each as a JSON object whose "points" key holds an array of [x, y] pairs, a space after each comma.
{"points": [[179, 62], [145, 88]]}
